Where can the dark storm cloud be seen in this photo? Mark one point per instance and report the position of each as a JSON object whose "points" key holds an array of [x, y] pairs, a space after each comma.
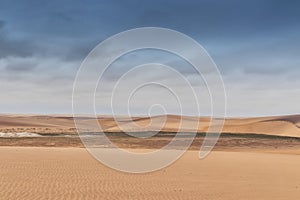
{"points": [[15, 47], [23, 66], [2, 23], [72, 28], [218, 18]]}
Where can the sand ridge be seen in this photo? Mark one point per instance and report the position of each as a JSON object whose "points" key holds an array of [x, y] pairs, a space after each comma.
{"points": [[277, 125]]}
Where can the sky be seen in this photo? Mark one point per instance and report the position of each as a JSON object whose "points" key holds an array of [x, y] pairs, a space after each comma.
{"points": [[255, 44]]}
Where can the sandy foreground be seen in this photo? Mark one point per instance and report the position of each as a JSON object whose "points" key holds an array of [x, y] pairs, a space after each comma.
{"points": [[72, 173]]}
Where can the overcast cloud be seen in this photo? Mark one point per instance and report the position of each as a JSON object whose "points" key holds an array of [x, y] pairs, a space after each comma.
{"points": [[255, 44]]}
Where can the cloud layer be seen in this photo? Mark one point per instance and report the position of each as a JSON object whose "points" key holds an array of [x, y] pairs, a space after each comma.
{"points": [[255, 44]]}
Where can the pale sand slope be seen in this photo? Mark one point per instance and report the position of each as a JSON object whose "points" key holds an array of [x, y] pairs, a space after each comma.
{"points": [[279, 125], [71, 173]]}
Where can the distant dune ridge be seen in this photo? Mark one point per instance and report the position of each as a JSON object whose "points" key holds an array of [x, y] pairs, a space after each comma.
{"points": [[53, 124]]}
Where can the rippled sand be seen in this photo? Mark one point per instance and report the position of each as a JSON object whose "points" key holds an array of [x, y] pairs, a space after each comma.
{"points": [[71, 173]]}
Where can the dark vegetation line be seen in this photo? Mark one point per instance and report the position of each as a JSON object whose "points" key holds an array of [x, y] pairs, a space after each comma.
{"points": [[203, 134]]}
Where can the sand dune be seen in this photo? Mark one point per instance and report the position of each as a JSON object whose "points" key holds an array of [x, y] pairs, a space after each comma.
{"points": [[277, 125]]}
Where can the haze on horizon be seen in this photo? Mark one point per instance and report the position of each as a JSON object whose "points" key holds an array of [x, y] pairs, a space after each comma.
{"points": [[255, 44]]}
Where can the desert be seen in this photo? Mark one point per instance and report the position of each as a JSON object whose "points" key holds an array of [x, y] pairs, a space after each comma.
{"points": [[42, 157]]}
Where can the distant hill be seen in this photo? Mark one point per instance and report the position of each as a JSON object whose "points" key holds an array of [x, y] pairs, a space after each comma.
{"points": [[277, 125]]}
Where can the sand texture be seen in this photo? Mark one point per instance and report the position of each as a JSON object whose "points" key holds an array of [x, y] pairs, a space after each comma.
{"points": [[71, 173]]}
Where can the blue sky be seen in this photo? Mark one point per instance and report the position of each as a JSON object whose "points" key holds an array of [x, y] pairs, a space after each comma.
{"points": [[256, 45]]}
